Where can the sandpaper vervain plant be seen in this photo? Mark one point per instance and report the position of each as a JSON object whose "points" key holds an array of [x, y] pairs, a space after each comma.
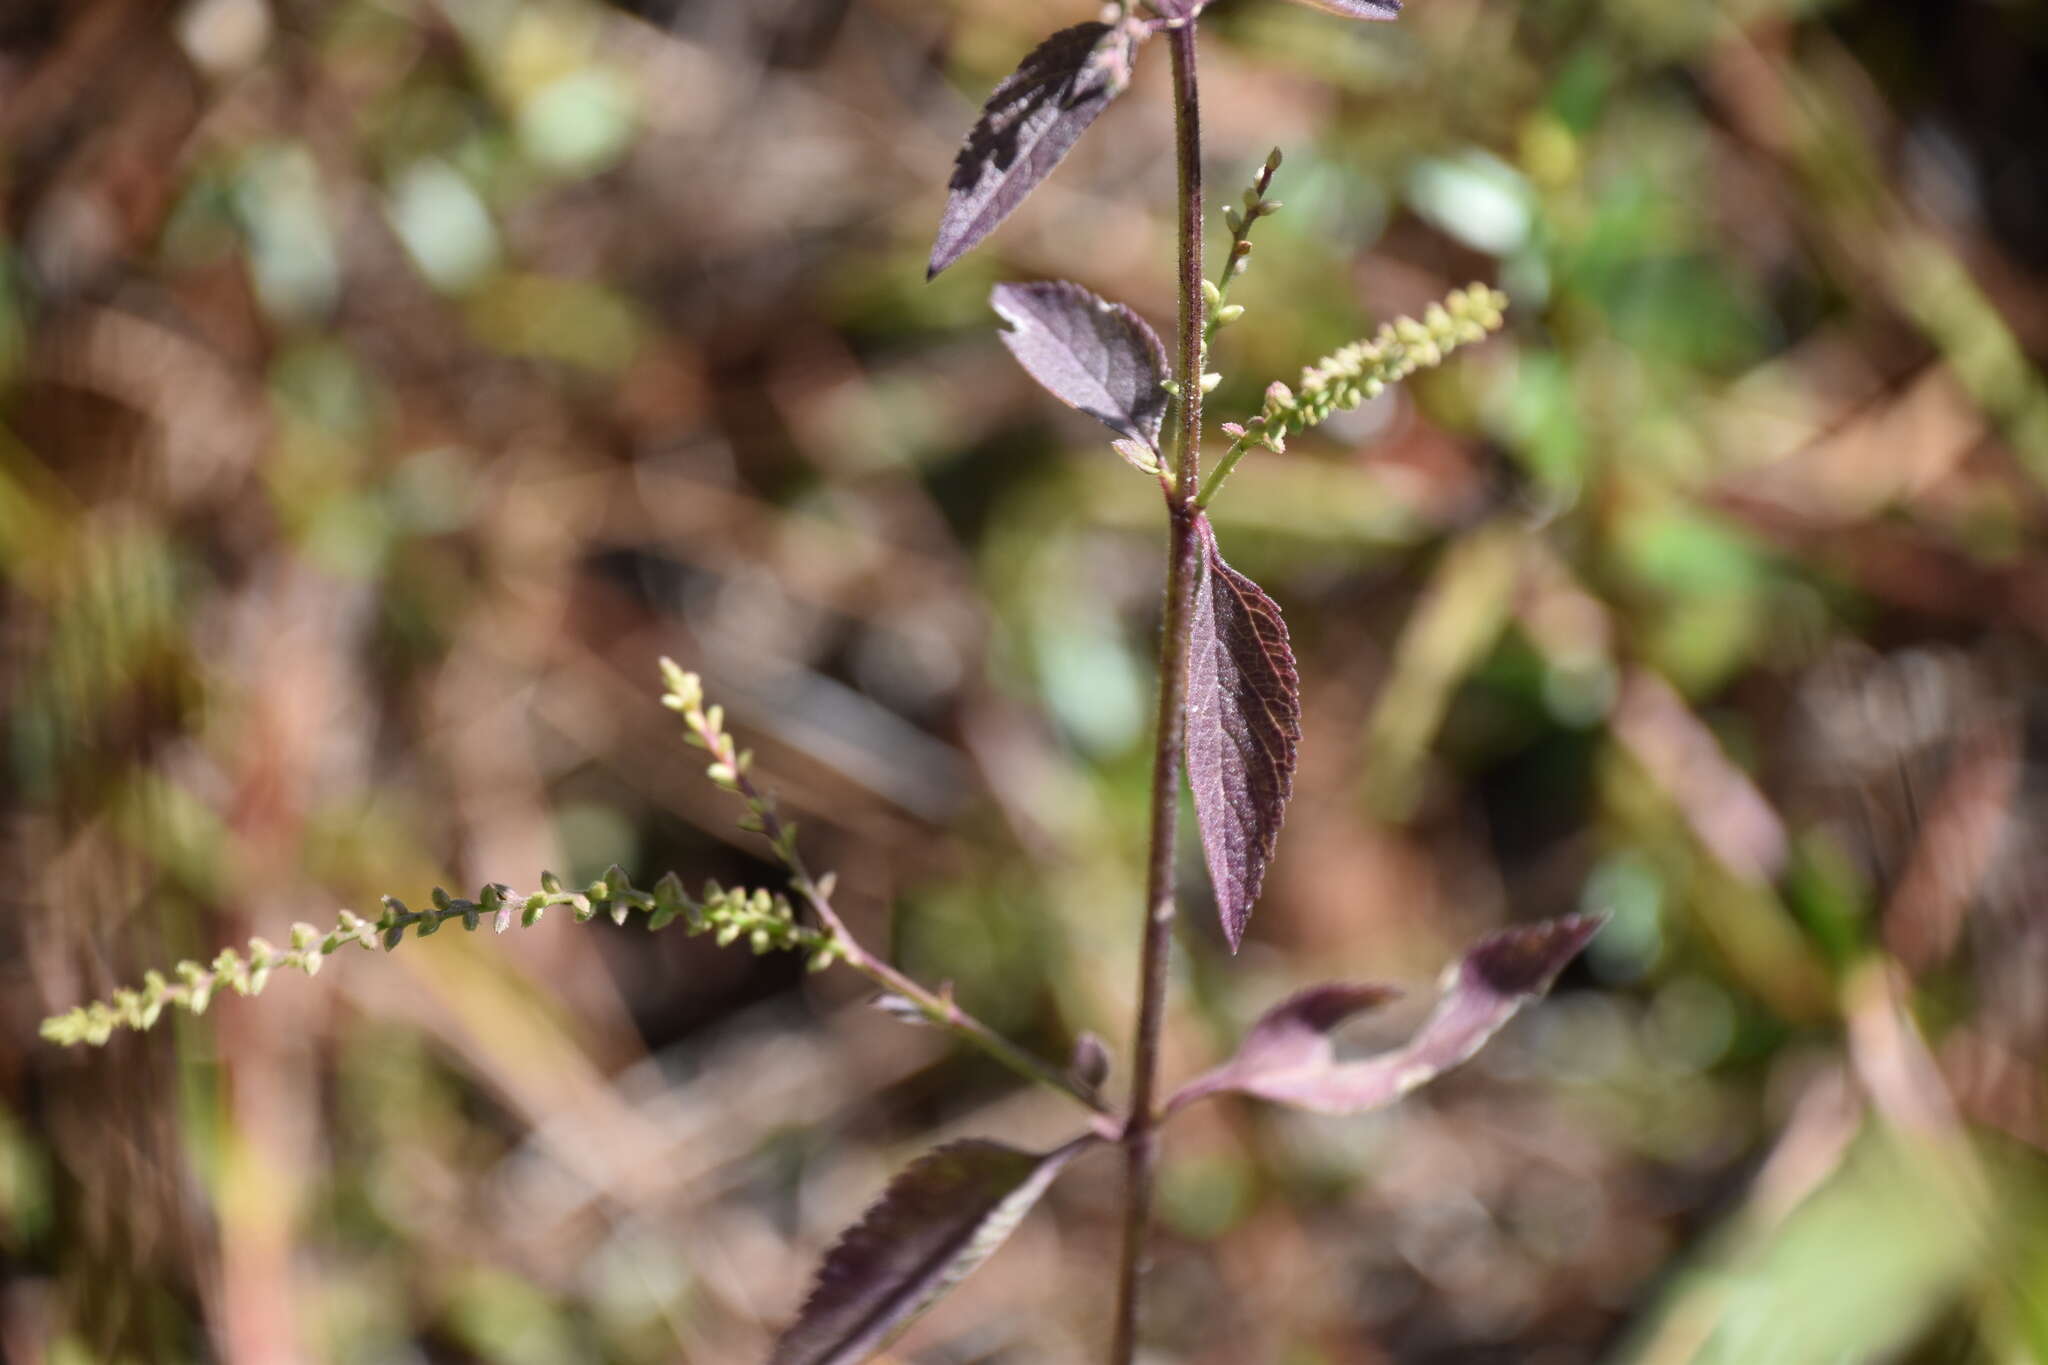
{"points": [[1228, 724]]}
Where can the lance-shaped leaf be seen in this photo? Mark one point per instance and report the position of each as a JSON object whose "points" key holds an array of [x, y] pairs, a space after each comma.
{"points": [[1030, 122], [1359, 9], [942, 1217], [1288, 1058], [1244, 722], [1091, 354]]}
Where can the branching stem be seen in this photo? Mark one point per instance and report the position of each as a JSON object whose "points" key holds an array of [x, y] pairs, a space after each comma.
{"points": [[1222, 470], [730, 769], [942, 1011], [1140, 1136]]}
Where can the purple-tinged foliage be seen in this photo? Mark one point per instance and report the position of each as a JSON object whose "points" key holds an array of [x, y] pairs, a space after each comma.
{"points": [[1091, 354], [941, 1218], [1295, 1033], [1030, 122], [1359, 9], [1244, 723], [1288, 1058]]}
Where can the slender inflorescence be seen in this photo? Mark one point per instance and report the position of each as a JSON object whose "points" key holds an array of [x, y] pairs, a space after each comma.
{"points": [[1361, 371], [1239, 219], [1228, 725], [764, 920]]}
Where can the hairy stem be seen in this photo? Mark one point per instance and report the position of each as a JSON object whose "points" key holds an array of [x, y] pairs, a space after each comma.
{"points": [[1140, 1138]]}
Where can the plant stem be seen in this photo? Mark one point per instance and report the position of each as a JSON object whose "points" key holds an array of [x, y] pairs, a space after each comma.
{"points": [[1141, 1138], [1222, 471], [939, 1009]]}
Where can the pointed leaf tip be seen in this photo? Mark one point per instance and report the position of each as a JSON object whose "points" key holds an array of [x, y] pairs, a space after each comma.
{"points": [[1093, 355], [1359, 9], [1523, 961], [1288, 1057], [1031, 121], [1244, 724], [944, 1215]]}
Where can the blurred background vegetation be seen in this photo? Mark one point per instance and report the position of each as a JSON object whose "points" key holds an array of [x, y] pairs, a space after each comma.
{"points": [[384, 384]]}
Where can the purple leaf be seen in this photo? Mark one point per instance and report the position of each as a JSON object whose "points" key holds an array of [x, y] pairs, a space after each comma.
{"points": [[1089, 353], [1288, 1057], [1244, 721], [1030, 122], [943, 1216], [1359, 9]]}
